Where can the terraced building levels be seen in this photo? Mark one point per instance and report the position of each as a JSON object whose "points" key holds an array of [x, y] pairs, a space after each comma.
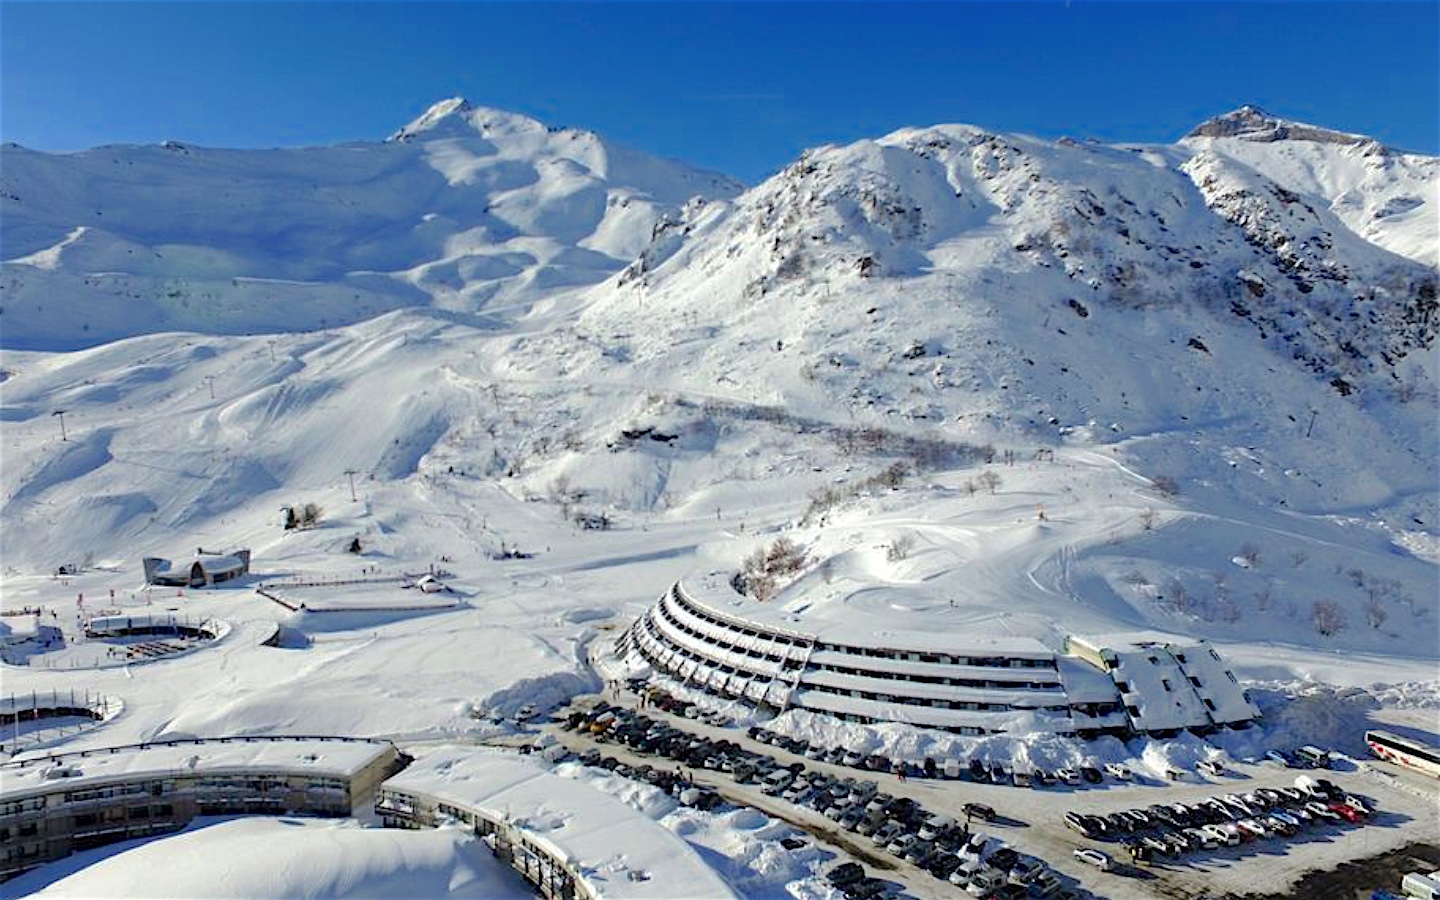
{"points": [[704, 634]]}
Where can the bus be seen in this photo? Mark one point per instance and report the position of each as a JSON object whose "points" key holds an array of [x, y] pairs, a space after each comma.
{"points": [[1407, 752]]}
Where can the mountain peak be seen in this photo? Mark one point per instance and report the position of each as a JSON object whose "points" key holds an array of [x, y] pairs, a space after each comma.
{"points": [[459, 115], [1251, 123]]}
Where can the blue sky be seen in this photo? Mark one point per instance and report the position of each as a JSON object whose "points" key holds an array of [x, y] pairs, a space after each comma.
{"points": [[740, 87]]}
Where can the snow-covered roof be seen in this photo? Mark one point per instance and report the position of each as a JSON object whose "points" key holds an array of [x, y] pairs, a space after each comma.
{"points": [[333, 757], [867, 623], [1170, 681], [1084, 683], [210, 562], [19, 628], [606, 838], [262, 856]]}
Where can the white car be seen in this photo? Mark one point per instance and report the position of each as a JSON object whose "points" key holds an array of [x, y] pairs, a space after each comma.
{"points": [[1068, 776], [1094, 858], [1211, 767], [1228, 837], [1116, 770]]}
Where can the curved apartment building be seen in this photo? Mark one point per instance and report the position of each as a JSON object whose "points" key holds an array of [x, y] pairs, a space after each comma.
{"points": [[704, 634]]}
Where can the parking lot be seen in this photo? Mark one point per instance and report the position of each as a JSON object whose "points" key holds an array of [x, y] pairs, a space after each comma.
{"points": [[1286, 839]]}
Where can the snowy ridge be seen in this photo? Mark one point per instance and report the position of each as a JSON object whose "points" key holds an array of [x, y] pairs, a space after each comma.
{"points": [[466, 208]]}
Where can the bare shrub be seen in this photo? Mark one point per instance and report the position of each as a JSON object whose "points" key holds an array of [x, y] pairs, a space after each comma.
{"points": [[1328, 617], [900, 547], [1264, 598], [1250, 554], [1165, 486], [1147, 519], [1375, 613], [762, 572], [309, 516], [989, 479], [1178, 596]]}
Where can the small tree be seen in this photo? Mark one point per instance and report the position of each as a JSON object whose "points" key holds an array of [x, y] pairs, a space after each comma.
{"points": [[1250, 554], [1328, 617], [989, 479], [761, 572], [309, 515], [1147, 519], [1178, 595], [1264, 598], [900, 547], [1375, 613]]}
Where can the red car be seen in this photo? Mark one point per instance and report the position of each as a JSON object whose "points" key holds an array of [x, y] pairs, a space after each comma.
{"points": [[1347, 812]]}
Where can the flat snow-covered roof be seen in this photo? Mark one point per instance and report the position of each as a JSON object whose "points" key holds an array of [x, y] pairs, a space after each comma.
{"points": [[867, 622], [608, 839], [339, 758]]}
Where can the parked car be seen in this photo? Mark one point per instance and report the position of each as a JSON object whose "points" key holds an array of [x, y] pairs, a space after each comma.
{"points": [[1225, 835], [1253, 828], [776, 782], [1210, 767], [1322, 810], [1094, 858], [900, 844], [1283, 758], [1069, 776], [918, 850], [886, 833], [1091, 774], [1118, 771], [1314, 757], [1347, 812], [979, 811], [845, 873]]}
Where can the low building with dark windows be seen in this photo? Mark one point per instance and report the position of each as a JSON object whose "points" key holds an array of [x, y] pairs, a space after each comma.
{"points": [[52, 806], [201, 570], [568, 840]]}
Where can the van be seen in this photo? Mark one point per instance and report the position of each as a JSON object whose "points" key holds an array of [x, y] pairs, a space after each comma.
{"points": [[984, 882], [1314, 757], [1421, 886], [776, 782], [952, 769], [934, 826]]}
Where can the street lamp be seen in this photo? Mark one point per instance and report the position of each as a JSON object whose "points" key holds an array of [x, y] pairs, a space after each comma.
{"points": [[61, 414]]}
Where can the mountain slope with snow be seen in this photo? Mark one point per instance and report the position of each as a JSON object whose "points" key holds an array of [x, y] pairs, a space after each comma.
{"points": [[1213, 356], [1385, 196], [465, 208]]}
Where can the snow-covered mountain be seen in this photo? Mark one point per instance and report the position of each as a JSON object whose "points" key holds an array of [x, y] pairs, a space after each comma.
{"points": [[464, 209], [1383, 195], [565, 326]]}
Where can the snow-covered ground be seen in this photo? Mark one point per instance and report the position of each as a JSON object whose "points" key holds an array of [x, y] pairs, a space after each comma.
{"points": [[971, 438], [282, 858]]}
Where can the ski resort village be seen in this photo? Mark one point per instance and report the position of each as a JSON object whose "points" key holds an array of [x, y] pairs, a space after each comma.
{"points": [[495, 510]]}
